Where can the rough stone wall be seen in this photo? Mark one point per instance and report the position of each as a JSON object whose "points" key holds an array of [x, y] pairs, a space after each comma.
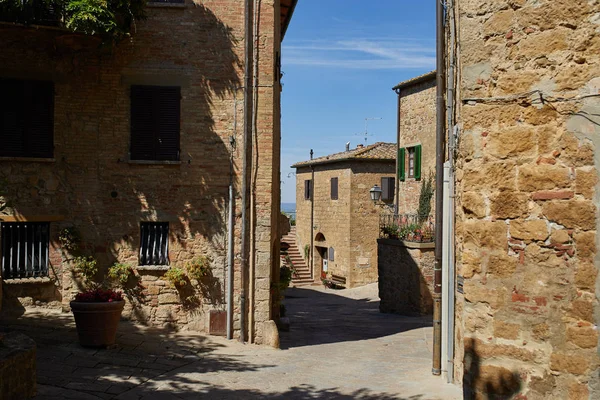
{"points": [[91, 185], [417, 126], [17, 366], [350, 224], [527, 198], [364, 220], [405, 277]]}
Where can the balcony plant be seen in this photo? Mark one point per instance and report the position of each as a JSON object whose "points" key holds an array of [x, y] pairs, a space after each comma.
{"points": [[97, 309]]}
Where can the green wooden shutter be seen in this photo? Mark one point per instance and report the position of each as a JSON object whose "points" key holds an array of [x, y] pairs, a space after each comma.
{"points": [[418, 162], [401, 166]]}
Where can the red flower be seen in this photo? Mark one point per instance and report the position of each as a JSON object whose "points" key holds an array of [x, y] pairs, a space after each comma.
{"points": [[99, 296]]}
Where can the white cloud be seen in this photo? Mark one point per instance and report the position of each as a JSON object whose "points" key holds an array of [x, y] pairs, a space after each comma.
{"points": [[360, 53]]}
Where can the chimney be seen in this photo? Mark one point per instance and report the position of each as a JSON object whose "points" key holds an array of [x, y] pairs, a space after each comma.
{"points": [[347, 146], [360, 146]]}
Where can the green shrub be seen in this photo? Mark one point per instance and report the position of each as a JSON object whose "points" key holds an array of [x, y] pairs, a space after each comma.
{"points": [[120, 272], [198, 268], [176, 276], [86, 266], [69, 238]]}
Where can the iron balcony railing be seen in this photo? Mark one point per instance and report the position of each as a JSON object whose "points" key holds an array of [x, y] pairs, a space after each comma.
{"points": [[25, 247], [33, 12], [407, 227]]}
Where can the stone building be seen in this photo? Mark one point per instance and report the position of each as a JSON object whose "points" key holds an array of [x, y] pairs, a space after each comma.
{"points": [[527, 164], [415, 138], [133, 146], [335, 214]]}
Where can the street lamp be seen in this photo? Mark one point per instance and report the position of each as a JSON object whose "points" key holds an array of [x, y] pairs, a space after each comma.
{"points": [[375, 193]]}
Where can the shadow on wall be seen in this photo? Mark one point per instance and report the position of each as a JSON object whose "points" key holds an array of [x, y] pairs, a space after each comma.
{"points": [[486, 382], [107, 210], [403, 287]]}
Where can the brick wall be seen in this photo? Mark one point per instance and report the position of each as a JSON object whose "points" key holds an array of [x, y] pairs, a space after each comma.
{"points": [[91, 185], [417, 126], [527, 198], [350, 224]]}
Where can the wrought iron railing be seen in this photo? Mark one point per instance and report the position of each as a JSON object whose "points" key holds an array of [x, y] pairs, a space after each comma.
{"points": [[407, 227], [33, 12]]}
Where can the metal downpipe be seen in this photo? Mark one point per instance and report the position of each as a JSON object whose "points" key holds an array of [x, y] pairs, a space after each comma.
{"points": [[439, 184]]}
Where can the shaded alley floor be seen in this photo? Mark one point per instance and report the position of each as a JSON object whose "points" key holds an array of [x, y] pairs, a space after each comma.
{"points": [[339, 347]]}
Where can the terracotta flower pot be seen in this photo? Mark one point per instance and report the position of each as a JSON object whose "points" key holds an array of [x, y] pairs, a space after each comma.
{"points": [[97, 322]]}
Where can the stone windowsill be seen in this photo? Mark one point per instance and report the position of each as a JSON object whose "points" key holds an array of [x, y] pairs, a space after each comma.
{"points": [[157, 4], [22, 281], [28, 159], [153, 267], [153, 162], [409, 245]]}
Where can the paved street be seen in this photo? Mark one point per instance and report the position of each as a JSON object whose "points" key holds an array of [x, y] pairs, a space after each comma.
{"points": [[339, 347]]}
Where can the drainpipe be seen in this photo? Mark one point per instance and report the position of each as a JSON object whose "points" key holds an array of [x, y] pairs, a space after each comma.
{"points": [[230, 218], [439, 184], [450, 218], [312, 217], [397, 188], [246, 146]]}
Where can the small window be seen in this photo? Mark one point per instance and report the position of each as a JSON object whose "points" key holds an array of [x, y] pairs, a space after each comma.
{"points": [[26, 118], [308, 188], [24, 249], [388, 189], [331, 254], [154, 243], [409, 163], [334, 188], [155, 114]]}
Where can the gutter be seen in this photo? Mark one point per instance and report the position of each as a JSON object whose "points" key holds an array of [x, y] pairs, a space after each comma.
{"points": [[439, 185]]}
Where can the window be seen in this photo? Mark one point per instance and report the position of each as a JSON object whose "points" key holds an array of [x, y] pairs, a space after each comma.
{"points": [[388, 189], [26, 118], [154, 243], [331, 254], [334, 188], [409, 165], [24, 249], [155, 112], [308, 188]]}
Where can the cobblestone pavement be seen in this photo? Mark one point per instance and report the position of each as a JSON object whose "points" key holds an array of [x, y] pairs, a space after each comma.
{"points": [[339, 347]]}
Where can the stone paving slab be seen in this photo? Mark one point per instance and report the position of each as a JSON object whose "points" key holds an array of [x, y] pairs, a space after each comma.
{"points": [[339, 347]]}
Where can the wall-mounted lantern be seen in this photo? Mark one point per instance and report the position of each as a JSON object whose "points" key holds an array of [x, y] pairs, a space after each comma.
{"points": [[375, 193]]}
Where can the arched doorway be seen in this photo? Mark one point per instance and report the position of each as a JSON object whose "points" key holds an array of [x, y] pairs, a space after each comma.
{"points": [[320, 261]]}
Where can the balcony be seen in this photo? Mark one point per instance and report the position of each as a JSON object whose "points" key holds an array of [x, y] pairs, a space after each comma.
{"points": [[33, 12], [407, 227]]}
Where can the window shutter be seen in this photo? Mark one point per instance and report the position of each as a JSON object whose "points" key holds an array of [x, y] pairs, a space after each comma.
{"points": [[143, 132], [334, 188], [169, 108], [392, 188], [385, 195], [307, 189], [401, 164], [155, 122], [418, 162], [11, 118], [39, 135]]}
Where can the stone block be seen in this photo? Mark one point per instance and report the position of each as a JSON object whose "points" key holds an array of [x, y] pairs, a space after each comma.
{"points": [[541, 331], [534, 177], [585, 181], [473, 203], [586, 275], [585, 337], [585, 243], [506, 330], [508, 204], [583, 309], [168, 298], [529, 230], [501, 264], [489, 175], [492, 235], [560, 236], [571, 213], [571, 363], [514, 142], [499, 23]]}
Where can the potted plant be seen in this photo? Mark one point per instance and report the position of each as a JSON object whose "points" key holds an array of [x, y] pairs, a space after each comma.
{"points": [[97, 310]]}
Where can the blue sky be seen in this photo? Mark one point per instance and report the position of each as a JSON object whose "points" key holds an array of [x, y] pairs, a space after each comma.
{"points": [[340, 60]]}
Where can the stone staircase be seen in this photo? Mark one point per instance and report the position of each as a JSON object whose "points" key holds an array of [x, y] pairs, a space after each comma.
{"points": [[302, 275]]}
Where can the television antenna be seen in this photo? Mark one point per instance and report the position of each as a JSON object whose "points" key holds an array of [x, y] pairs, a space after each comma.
{"points": [[366, 133]]}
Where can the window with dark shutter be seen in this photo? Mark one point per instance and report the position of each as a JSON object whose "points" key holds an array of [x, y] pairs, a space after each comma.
{"points": [[334, 188], [154, 243], [25, 248], [26, 118], [308, 189], [155, 116], [388, 188]]}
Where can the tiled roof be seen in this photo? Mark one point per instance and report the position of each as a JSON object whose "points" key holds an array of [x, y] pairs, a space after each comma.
{"points": [[379, 151], [417, 79]]}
